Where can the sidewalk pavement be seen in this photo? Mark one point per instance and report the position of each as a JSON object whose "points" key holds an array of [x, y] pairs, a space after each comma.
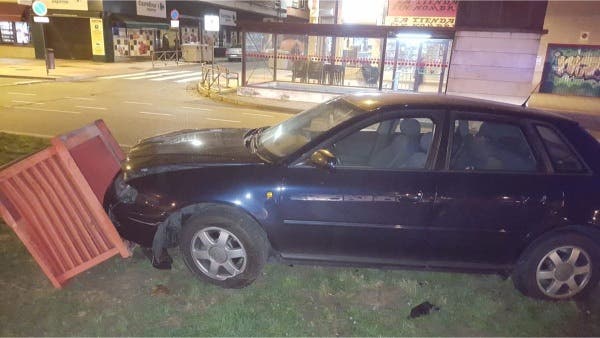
{"points": [[280, 106], [69, 70]]}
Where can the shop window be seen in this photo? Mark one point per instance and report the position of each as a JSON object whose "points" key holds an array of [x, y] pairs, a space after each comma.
{"points": [[23, 34], [14, 32]]}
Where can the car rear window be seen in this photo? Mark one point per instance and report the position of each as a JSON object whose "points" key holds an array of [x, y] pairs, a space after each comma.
{"points": [[561, 154]]}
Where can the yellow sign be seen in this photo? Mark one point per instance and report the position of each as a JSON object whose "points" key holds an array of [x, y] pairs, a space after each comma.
{"points": [[97, 33]]}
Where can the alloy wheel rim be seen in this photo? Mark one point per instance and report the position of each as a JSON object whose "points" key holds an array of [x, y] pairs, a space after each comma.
{"points": [[564, 272], [218, 253]]}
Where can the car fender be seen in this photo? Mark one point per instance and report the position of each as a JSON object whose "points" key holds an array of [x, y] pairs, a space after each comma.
{"points": [[167, 232], [592, 232]]}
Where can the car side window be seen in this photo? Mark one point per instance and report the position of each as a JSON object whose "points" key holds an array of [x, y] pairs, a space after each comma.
{"points": [[403, 143], [562, 157], [490, 146]]}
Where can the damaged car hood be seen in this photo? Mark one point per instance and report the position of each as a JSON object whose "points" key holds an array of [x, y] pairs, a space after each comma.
{"points": [[189, 148]]}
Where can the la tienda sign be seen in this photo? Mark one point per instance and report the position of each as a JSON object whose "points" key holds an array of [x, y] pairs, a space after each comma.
{"points": [[424, 13]]}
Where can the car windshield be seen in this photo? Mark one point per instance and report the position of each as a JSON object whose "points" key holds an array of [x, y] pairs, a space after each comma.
{"points": [[289, 136]]}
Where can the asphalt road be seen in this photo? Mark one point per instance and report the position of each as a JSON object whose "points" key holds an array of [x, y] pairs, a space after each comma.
{"points": [[133, 106]]}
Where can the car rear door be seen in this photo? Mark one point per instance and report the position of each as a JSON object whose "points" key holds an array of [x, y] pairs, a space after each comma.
{"points": [[494, 188], [369, 212]]}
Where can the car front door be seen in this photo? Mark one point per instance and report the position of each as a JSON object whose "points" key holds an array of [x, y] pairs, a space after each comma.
{"points": [[493, 189], [375, 205]]}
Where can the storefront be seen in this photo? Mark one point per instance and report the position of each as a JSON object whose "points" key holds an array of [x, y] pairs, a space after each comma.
{"points": [[75, 30], [362, 56], [15, 31], [138, 29], [133, 39]]}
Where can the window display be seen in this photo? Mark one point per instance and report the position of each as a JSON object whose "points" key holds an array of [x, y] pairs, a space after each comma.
{"points": [[136, 41]]}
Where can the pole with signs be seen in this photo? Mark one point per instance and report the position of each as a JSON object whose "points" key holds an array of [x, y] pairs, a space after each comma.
{"points": [[40, 10], [175, 24]]}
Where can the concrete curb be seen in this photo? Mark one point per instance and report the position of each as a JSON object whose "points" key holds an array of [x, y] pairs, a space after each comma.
{"points": [[29, 77], [234, 100]]}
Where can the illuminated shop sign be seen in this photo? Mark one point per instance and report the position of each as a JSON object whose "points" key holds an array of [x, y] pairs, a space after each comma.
{"points": [[73, 5], [421, 13], [155, 8]]}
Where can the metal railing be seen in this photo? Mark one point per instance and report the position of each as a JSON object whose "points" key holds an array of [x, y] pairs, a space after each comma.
{"points": [[166, 56], [212, 75]]}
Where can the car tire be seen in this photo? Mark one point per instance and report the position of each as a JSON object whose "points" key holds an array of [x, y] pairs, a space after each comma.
{"points": [[559, 267], [224, 246]]}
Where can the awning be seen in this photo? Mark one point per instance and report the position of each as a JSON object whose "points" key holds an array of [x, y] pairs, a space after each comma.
{"points": [[123, 21], [141, 24], [13, 12]]}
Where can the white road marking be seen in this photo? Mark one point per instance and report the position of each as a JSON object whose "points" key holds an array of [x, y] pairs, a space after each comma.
{"points": [[222, 120], [28, 82], [196, 108], [51, 110], [187, 73], [196, 78], [149, 113], [28, 102], [79, 98], [154, 75], [260, 115], [19, 93], [132, 74], [135, 102], [88, 107]]}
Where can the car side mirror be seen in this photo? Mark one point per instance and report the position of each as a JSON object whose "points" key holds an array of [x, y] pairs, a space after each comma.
{"points": [[323, 158]]}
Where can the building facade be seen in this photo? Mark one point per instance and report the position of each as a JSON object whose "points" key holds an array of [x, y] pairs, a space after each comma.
{"points": [[113, 30], [568, 57]]}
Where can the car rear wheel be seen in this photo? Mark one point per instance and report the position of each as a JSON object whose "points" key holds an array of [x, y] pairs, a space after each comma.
{"points": [[558, 268], [224, 247]]}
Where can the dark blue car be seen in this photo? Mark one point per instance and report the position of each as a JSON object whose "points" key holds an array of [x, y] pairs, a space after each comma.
{"points": [[385, 180]]}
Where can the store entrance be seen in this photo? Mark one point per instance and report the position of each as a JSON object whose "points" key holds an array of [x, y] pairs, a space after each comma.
{"points": [[416, 64], [69, 37]]}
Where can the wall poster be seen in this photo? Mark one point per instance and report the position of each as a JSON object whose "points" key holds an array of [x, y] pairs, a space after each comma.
{"points": [[97, 32]]}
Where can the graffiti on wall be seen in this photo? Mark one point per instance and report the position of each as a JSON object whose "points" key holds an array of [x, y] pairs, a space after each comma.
{"points": [[572, 70]]}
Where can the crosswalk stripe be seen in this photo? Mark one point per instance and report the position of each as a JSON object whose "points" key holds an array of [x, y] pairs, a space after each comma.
{"points": [[133, 74], [153, 75], [196, 78], [174, 76]]}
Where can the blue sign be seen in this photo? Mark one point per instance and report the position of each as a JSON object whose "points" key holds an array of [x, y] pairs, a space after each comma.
{"points": [[39, 8], [174, 14]]}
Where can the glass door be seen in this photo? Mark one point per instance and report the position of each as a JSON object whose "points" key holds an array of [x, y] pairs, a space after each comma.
{"points": [[417, 65]]}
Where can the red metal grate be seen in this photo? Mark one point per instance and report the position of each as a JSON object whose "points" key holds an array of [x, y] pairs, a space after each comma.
{"points": [[56, 213]]}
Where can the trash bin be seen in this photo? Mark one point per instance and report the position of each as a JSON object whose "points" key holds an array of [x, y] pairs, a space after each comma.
{"points": [[49, 58]]}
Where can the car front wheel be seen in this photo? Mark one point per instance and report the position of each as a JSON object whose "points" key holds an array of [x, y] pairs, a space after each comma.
{"points": [[224, 247], [558, 268]]}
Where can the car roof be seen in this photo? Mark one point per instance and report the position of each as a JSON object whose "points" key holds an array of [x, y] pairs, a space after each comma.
{"points": [[376, 101]]}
